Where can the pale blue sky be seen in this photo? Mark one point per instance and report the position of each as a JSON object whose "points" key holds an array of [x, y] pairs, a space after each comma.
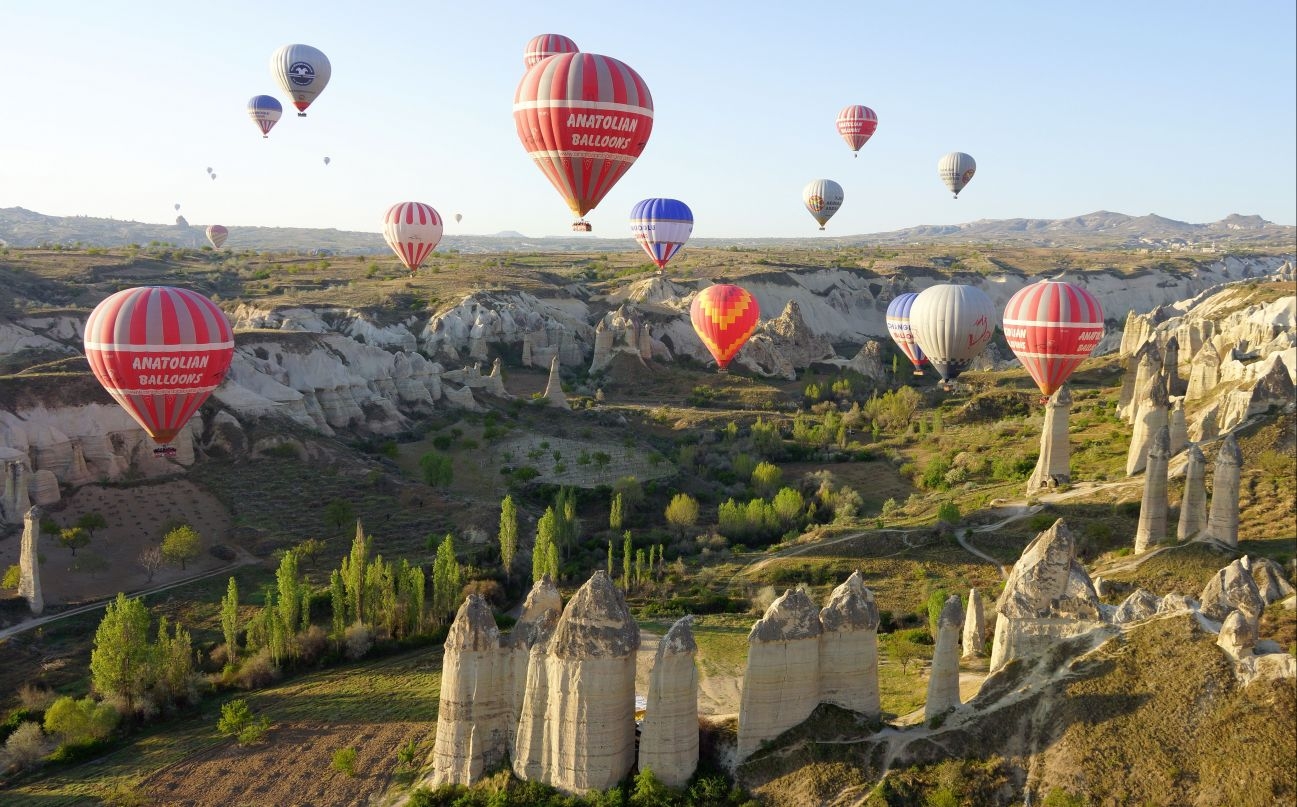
{"points": [[1185, 109]]}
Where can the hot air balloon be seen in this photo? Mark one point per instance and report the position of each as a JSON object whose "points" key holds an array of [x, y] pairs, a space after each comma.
{"points": [[898, 325], [857, 124], [411, 229], [584, 119], [459, 217], [952, 324], [724, 316], [661, 226], [217, 234], [213, 176], [327, 160], [956, 170], [546, 45], [303, 73], [159, 351], [1052, 327], [822, 198], [177, 205], [209, 169], [265, 111]]}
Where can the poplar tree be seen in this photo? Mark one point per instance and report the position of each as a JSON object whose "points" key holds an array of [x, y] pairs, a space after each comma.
{"points": [[415, 584], [338, 601], [508, 534], [230, 621], [546, 530], [626, 550], [119, 662], [353, 575], [639, 567], [445, 579], [290, 598], [617, 515], [610, 558]]}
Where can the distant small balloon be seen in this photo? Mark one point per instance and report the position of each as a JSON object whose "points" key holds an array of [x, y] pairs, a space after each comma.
{"points": [[956, 170], [822, 198], [544, 46], [327, 160], [217, 234], [459, 217], [177, 205], [209, 169], [213, 176], [265, 111]]}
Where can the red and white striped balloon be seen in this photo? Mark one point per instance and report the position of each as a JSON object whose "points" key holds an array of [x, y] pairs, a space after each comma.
{"points": [[1052, 327], [412, 230], [857, 124], [544, 46], [159, 351]]}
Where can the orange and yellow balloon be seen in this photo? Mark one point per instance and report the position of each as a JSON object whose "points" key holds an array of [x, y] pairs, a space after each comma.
{"points": [[724, 316]]}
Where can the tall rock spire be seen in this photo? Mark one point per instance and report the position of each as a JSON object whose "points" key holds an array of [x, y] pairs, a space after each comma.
{"points": [[943, 680], [554, 387], [1152, 509], [1150, 416], [974, 625], [473, 715], [29, 581], [668, 743], [781, 682], [849, 648], [1053, 467], [1193, 505], [1222, 521]]}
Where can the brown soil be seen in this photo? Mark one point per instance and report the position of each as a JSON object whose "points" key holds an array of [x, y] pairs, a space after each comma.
{"points": [[136, 519]]}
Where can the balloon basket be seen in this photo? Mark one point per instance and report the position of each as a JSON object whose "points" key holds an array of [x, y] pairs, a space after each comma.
{"points": [[301, 114], [164, 451], [581, 226]]}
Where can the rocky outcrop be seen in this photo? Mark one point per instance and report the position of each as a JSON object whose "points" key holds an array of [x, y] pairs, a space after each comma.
{"points": [[535, 625], [1148, 363], [868, 361], [849, 648], [1232, 589], [472, 378], [782, 344], [474, 710], [14, 498], [590, 709], [1269, 579], [1150, 416], [974, 637], [1222, 520], [1171, 367], [1053, 466], [1204, 373], [668, 743], [1152, 508], [554, 387], [1237, 635], [943, 678], [1179, 427], [621, 332], [781, 682], [45, 488], [1047, 597], [29, 569], [1193, 505], [1140, 605]]}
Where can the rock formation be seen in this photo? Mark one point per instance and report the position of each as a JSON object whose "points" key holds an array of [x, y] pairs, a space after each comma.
{"points": [[589, 719], [1150, 416], [668, 743], [473, 714], [1237, 635], [1053, 467], [45, 488], [1193, 505], [535, 625], [1173, 602], [1171, 367], [1204, 373], [1179, 427], [1047, 597], [1152, 508], [14, 499], [868, 361], [849, 648], [943, 679], [781, 682], [1148, 363], [974, 637], [1232, 589], [1140, 605], [29, 581], [1269, 579], [1222, 520], [554, 387]]}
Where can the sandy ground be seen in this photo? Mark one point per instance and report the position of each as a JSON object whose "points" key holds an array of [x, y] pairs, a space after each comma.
{"points": [[136, 517]]}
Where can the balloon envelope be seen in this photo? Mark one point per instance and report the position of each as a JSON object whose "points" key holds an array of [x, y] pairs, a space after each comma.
{"points": [[952, 324], [177, 205], [217, 234], [265, 111], [724, 316], [898, 325], [459, 217], [822, 198], [857, 124], [584, 119], [956, 170], [327, 160], [546, 45], [412, 229], [302, 72], [661, 226], [1052, 327], [159, 351]]}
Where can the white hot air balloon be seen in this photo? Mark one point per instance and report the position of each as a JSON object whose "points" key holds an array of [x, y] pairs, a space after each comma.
{"points": [[302, 72], [956, 170], [822, 198], [328, 160], [412, 230], [459, 217], [953, 324]]}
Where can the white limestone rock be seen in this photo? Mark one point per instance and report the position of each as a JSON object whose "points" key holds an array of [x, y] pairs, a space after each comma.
{"points": [[849, 648], [1151, 530], [1150, 416], [1053, 466], [1193, 505], [14, 499], [1269, 579], [1232, 589], [44, 488], [473, 714], [974, 636], [1173, 603], [1140, 605], [781, 682], [1237, 635], [668, 743], [1222, 519], [943, 679], [29, 580]]}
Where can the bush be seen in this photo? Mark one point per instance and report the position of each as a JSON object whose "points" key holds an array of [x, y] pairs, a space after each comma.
{"points": [[344, 761], [35, 698], [237, 721], [358, 641], [258, 671], [26, 747], [12, 577], [78, 722]]}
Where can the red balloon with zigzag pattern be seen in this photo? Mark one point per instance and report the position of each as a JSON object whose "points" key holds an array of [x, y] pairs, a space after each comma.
{"points": [[724, 316]]}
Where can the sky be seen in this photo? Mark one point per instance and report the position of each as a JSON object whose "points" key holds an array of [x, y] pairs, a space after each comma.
{"points": [[1187, 109]]}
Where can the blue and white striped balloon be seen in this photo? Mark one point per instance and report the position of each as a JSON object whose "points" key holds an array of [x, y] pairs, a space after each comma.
{"points": [[265, 111], [661, 226]]}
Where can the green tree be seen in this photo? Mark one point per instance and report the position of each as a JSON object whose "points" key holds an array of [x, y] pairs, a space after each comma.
{"points": [[789, 505], [77, 722], [181, 545], [230, 620], [682, 512], [74, 538], [649, 791], [546, 536], [631, 492], [339, 512], [445, 580], [610, 559], [627, 550], [238, 721], [338, 603], [436, 469], [290, 597], [903, 650], [616, 515], [310, 549], [13, 577], [344, 761], [766, 478], [91, 522], [415, 585], [936, 601], [640, 566], [948, 512], [508, 534], [173, 661], [120, 660], [353, 575]]}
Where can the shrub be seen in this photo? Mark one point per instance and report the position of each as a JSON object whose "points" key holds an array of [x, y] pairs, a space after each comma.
{"points": [[35, 698], [78, 722], [358, 641], [12, 577], [344, 761], [26, 747], [258, 671], [237, 721], [949, 513]]}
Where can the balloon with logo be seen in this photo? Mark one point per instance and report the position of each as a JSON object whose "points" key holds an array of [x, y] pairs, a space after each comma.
{"points": [[898, 326], [544, 46], [584, 119], [822, 198], [265, 111], [302, 72], [956, 169], [952, 324], [412, 230], [1052, 326], [724, 317], [159, 351], [857, 124], [661, 226], [217, 234]]}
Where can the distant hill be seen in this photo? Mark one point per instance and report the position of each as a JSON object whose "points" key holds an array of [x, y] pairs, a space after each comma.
{"points": [[1102, 229]]}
